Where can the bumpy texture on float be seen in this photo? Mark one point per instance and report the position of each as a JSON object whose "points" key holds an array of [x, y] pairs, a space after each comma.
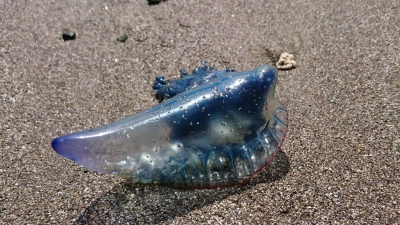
{"points": [[212, 129]]}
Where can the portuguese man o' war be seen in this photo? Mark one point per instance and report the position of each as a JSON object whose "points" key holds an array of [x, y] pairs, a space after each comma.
{"points": [[212, 128]]}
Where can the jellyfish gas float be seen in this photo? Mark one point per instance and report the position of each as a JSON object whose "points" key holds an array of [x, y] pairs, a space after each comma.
{"points": [[212, 128]]}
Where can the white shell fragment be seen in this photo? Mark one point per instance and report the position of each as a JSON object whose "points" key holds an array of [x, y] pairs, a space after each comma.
{"points": [[286, 61]]}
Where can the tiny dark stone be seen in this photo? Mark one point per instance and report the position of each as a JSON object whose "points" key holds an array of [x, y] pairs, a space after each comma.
{"points": [[122, 37], [69, 35], [154, 2], [286, 211]]}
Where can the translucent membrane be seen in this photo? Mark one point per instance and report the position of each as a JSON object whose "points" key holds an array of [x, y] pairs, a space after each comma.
{"points": [[212, 128]]}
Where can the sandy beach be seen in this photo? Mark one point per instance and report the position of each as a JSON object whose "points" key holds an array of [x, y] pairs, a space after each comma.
{"points": [[340, 163]]}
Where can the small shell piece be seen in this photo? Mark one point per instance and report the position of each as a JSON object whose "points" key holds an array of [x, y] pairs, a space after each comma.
{"points": [[286, 61], [212, 129]]}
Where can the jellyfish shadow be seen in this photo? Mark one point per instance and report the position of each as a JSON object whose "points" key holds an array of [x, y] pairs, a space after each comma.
{"points": [[130, 203]]}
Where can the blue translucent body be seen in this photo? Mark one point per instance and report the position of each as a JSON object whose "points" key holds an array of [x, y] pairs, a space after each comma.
{"points": [[212, 128]]}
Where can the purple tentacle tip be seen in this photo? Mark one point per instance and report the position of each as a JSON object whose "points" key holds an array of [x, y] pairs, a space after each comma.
{"points": [[212, 128]]}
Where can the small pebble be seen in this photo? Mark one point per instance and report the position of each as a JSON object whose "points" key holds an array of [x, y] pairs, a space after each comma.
{"points": [[154, 2], [69, 35], [122, 37]]}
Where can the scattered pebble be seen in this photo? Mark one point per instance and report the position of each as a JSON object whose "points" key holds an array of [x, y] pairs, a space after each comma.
{"points": [[68, 35], [122, 37], [286, 61], [153, 2]]}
